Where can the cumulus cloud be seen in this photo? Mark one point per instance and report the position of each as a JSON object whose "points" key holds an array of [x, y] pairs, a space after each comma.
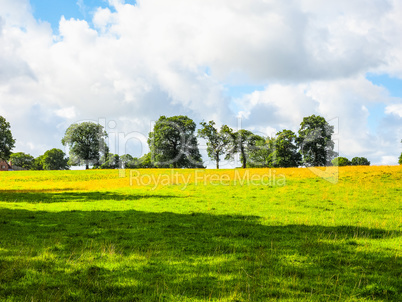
{"points": [[395, 109], [132, 63], [344, 103]]}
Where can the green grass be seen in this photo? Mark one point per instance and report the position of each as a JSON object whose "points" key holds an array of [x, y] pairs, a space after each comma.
{"points": [[90, 236]]}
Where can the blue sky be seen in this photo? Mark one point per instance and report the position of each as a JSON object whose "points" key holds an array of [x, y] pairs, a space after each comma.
{"points": [[269, 65], [393, 85], [51, 11]]}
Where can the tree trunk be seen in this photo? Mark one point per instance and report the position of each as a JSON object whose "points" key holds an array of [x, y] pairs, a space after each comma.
{"points": [[243, 158], [217, 161]]}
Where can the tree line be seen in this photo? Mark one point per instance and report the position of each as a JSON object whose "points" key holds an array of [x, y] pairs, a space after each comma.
{"points": [[356, 161], [174, 144]]}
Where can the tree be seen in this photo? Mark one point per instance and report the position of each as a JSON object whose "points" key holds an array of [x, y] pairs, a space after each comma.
{"points": [[243, 142], [125, 160], [217, 141], [360, 161], [315, 141], [54, 159], [110, 161], [341, 161], [400, 159], [146, 161], [261, 155], [115, 161], [86, 142], [173, 143], [38, 163], [7, 142], [285, 152], [23, 160], [140, 163]]}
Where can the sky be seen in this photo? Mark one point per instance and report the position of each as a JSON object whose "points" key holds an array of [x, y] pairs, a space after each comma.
{"points": [[260, 65]]}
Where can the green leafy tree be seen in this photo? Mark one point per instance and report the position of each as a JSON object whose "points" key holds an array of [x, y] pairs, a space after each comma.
{"points": [[243, 142], [173, 143], [103, 160], [341, 161], [218, 141], [141, 163], [146, 161], [111, 161], [55, 159], [86, 142], [261, 155], [23, 160], [7, 142], [134, 163], [360, 161], [125, 160], [315, 141], [400, 159], [38, 163], [285, 153], [115, 161]]}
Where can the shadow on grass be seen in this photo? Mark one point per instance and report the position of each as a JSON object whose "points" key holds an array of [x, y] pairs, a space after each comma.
{"points": [[2, 191], [142, 256], [52, 196]]}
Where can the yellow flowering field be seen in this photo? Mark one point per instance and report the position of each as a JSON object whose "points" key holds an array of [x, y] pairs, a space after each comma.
{"points": [[202, 235]]}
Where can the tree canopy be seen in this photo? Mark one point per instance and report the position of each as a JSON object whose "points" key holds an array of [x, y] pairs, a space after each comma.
{"points": [[315, 141], [86, 142], [341, 161], [125, 160], [55, 159], [173, 143], [23, 160], [261, 155], [7, 142], [110, 161], [285, 152], [280, 151], [360, 161], [243, 142], [38, 163], [218, 141]]}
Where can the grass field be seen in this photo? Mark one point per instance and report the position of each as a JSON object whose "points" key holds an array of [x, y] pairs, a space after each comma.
{"points": [[201, 235]]}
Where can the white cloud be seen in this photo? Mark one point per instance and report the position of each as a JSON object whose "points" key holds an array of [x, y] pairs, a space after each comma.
{"points": [[141, 61], [343, 102], [389, 160], [68, 113], [395, 109]]}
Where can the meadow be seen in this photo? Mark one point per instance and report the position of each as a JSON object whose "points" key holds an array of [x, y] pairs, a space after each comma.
{"points": [[202, 235]]}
